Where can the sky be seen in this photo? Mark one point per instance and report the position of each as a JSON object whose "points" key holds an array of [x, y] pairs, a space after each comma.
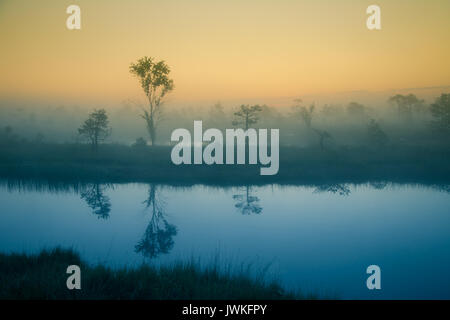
{"points": [[219, 50]]}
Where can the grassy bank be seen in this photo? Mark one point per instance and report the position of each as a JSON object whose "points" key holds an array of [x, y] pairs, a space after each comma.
{"points": [[43, 276], [119, 163]]}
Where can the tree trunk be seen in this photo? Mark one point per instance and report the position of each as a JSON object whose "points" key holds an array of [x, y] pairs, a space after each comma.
{"points": [[152, 133], [151, 130]]}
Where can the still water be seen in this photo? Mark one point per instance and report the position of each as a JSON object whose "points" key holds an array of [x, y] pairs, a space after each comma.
{"points": [[319, 239]]}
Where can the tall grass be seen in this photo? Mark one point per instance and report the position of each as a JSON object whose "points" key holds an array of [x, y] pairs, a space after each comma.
{"points": [[43, 276]]}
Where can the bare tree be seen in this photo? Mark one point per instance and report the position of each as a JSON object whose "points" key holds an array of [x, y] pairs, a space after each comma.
{"points": [[303, 112], [306, 114], [155, 81]]}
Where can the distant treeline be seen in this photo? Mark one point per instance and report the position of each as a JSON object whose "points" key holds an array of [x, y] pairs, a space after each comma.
{"points": [[404, 119], [408, 143]]}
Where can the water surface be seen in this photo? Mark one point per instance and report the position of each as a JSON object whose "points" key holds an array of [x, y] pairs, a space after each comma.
{"points": [[317, 238]]}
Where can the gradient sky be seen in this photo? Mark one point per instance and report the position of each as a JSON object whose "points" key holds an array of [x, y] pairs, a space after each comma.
{"points": [[227, 49]]}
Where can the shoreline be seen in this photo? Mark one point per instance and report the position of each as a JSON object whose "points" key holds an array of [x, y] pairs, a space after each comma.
{"points": [[123, 164], [44, 276]]}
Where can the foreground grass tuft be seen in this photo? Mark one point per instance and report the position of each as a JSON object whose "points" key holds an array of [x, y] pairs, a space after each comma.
{"points": [[43, 276]]}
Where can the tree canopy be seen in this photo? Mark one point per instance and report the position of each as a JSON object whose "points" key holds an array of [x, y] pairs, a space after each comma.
{"points": [[247, 115], [96, 128], [154, 79]]}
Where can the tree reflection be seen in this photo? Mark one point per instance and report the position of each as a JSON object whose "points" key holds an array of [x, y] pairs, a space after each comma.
{"points": [[335, 188], [442, 187], [96, 200], [378, 185], [158, 235], [247, 203]]}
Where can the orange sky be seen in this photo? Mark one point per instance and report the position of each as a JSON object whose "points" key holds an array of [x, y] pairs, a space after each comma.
{"points": [[222, 50]]}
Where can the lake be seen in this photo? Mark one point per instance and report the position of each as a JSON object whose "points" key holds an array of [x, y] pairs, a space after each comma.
{"points": [[319, 239]]}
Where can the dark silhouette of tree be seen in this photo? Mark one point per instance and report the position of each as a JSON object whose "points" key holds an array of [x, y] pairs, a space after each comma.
{"points": [[378, 185], [407, 104], [356, 109], [139, 143], [246, 203], [335, 188], [247, 116], [306, 114], [95, 129], [440, 110], [158, 235], [96, 200], [323, 135], [442, 187], [302, 112], [376, 135], [154, 79]]}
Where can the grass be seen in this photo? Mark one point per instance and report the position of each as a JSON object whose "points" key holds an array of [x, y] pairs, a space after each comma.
{"points": [[43, 276], [119, 163]]}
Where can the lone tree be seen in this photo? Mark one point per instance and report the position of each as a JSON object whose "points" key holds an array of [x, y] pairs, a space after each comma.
{"points": [[247, 115], [95, 129], [440, 110], [154, 80]]}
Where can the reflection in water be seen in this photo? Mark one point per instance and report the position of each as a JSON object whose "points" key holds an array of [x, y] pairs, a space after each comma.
{"points": [[442, 187], [157, 238], [340, 189], [246, 203], [96, 200], [331, 232], [378, 185]]}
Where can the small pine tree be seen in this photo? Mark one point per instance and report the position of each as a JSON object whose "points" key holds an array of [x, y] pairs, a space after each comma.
{"points": [[96, 128]]}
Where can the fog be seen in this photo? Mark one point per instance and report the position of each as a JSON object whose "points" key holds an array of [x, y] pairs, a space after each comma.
{"points": [[346, 119]]}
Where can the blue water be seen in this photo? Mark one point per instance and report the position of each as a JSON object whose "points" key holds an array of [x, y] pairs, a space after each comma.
{"points": [[317, 239]]}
